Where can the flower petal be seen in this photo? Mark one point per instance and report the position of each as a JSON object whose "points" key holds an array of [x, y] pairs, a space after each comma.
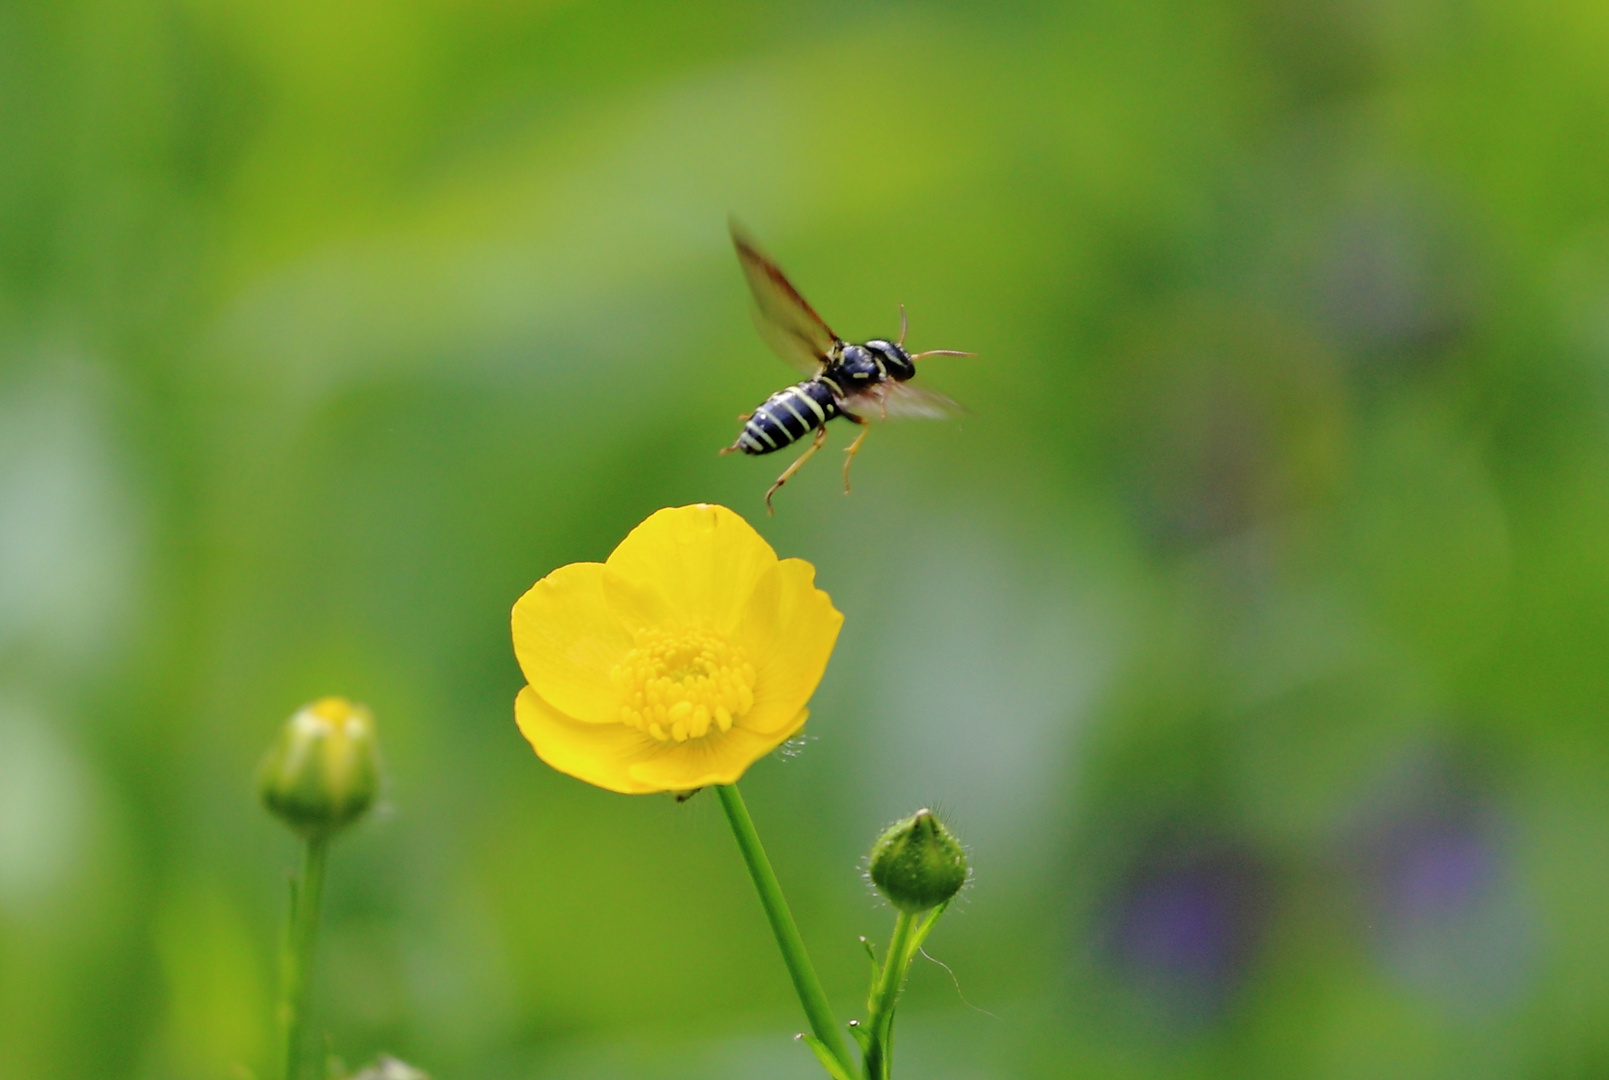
{"points": [[601, 754], [789, 627], [716, 760], [703, 560], [567, 639]]}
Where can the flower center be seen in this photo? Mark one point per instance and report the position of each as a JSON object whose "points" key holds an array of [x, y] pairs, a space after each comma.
{"points": [[677, 683]]}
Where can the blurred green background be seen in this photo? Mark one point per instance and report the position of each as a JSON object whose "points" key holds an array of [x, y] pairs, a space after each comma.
{"points": [[1253, 629]]}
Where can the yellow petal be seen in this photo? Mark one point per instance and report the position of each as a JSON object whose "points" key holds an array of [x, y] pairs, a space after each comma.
{"points": [[637, 604], [703, 561], [601, 754], [789, 628], [567, 639], [715, 760]]}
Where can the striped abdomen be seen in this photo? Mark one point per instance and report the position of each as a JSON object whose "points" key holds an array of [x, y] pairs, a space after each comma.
{"points": [[788, 416]]}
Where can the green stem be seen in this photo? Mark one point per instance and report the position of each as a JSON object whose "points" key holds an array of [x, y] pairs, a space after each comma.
{"points": [[880, 1009], [296, 963], [805, 983]]}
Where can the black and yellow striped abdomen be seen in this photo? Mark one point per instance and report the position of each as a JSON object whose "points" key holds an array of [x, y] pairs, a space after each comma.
{"points": [[788, 416]]}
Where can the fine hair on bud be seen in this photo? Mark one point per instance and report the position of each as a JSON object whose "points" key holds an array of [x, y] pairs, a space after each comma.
{"points": [[323, 771], [918, 863]]}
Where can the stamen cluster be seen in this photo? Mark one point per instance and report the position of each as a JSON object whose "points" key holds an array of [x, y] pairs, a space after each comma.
{"points": [[676, 683]]}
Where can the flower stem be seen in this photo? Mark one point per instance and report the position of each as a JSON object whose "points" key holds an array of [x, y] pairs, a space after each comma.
{"points": [[296, 961], [880, 1009], [805, 983]]}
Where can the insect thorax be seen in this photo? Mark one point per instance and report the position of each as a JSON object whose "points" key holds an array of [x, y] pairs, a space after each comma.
{"points": [[858, 367]]}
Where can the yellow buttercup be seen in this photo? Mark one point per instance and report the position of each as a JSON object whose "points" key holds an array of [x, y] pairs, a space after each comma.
{"points": [[678, 662]]}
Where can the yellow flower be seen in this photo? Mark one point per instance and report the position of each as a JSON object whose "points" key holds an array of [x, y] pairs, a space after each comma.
{"points": [[677, 663]]}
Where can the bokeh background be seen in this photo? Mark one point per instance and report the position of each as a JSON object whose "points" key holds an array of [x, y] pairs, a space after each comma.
{"points": [[1253, 629]]}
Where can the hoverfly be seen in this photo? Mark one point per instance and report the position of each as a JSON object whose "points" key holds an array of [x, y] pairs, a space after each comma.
{"points": [[862, 382]]}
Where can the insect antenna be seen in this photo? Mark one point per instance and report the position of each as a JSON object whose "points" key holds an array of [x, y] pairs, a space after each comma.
{"points": [[941, 352], [902, 326]]}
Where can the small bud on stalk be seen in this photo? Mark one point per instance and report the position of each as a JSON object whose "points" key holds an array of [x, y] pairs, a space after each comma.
{"points": [[323, 771], [918, 863]]}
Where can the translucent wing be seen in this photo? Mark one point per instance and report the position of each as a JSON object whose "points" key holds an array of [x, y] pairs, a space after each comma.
{"points": [[902, 401], [785, 320]]}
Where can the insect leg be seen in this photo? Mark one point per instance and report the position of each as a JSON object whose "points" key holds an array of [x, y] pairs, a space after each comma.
{"points": [[821, 437], [854, 448]]}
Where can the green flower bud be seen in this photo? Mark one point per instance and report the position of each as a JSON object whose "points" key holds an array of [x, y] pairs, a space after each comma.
{"points": [[918, 863], [323, 771]]}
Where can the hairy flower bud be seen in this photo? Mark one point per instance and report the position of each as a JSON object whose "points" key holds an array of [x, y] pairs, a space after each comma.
{"points": [[323, 772], [918, 863]]}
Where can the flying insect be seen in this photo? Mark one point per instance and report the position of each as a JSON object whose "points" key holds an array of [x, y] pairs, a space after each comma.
{"points": [[864, 382]]}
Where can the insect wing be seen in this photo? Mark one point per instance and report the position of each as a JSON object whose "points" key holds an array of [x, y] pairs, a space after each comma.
{"points": [[902, 401], [787, 322], [800, 354]]}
